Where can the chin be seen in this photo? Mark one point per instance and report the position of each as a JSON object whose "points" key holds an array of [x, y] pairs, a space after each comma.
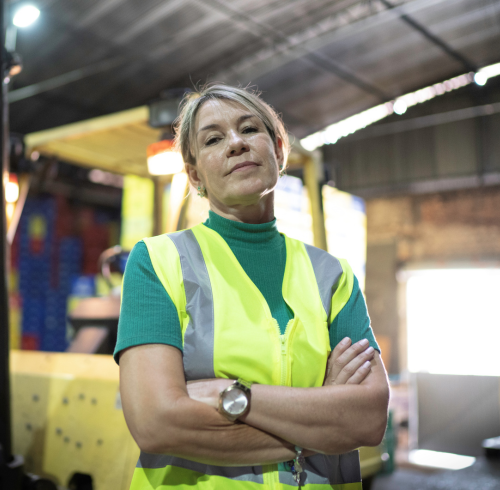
{"points": [[256, 190]]}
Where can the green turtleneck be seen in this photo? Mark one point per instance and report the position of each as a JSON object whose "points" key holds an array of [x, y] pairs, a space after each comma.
{"points": [[253, 246], [148, 315]]}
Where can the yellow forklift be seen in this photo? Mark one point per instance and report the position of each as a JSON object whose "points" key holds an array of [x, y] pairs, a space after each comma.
{"points": [[67, 418]]}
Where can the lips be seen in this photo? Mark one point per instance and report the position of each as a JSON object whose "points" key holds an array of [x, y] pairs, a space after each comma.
{"points": [[244, 164]]}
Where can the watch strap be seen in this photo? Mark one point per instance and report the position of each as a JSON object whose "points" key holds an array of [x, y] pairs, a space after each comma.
{"points": [[243, 385]]}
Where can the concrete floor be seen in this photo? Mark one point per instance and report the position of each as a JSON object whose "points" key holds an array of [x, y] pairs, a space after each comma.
{"points": [[482, 475]]}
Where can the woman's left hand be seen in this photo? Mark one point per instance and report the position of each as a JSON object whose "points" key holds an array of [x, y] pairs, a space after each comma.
{"points": [[208, 390]]}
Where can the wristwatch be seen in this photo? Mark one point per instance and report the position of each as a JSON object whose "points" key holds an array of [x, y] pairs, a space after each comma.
{"points": [[234, 401]]}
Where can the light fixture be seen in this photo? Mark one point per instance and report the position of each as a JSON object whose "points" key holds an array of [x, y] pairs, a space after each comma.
{"points": [[12, 189], [25, 16], [480, 78], [331, 134], [11, 196], [400, 107], [163, 159]]}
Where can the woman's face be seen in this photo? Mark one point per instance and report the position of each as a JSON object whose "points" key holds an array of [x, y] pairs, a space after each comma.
{"points": [[236, 159]]}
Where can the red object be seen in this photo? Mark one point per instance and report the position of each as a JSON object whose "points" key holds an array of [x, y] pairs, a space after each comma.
{"points": [[36, 246], [159, 147], [30, 341]]}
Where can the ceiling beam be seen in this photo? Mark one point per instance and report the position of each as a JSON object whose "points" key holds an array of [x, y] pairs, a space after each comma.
{"points": [[445, 47], [272, 35], [333, 29]]}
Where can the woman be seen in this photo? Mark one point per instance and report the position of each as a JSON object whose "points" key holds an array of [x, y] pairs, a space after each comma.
{"points": [[207, 312]]}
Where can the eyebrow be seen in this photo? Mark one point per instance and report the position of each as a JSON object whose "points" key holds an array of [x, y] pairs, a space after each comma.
{"points": [[216, 126]]}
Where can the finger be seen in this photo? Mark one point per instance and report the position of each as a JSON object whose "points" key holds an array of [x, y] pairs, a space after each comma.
{"points": [[340, 348], [351, 367], [363, 371], [346, 357]]}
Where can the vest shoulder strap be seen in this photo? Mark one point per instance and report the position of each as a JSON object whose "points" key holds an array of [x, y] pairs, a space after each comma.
{"points": [[344, 290], [334, 277], [167, 266]]}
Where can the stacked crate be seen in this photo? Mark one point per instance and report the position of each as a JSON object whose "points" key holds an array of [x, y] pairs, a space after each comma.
{"points": [[35, 253], [57, 244], [68, 267], [15, 306]]}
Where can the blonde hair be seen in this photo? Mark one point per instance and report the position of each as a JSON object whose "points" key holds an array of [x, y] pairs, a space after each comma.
{"points": [[250, 99]]}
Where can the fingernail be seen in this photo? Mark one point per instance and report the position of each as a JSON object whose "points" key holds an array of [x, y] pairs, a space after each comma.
{"points": [[367, 364], [345, 341], [369, 350], [363, 342]]}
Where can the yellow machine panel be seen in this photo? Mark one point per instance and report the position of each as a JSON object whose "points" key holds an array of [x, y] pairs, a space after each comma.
{"points": [[67, 418]]}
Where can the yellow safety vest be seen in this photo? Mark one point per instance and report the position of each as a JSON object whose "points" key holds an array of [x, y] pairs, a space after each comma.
{"points": [[228, 332]]}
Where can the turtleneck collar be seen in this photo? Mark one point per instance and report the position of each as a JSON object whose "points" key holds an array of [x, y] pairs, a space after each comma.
{"points": [[245, 235]]}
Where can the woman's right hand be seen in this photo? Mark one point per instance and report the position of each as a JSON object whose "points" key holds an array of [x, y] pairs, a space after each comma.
{"points": [[349, 364]]}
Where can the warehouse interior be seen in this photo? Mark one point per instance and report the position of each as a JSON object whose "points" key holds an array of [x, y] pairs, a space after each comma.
{"points": [[393, 112]]}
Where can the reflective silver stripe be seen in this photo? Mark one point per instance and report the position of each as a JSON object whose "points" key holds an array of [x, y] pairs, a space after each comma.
{"points": [[242, 473], [327, 470], [199, 336], [350, 467], [328, 271]]}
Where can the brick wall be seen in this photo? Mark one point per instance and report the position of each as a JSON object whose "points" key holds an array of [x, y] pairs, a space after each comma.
{"points": [[441, 229], [456, 225]]}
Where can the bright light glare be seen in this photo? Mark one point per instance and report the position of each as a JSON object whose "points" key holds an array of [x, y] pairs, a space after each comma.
{"points": [[453, 321], [331, 134], [491, 70], [178, 188], [334, 132], [480, 78], [165, 163], [9, 210], [25, 16], [11, 192], [400, 107], [437, 459]]}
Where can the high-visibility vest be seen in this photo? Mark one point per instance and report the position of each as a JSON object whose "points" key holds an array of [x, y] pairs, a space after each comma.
{"points": [[228, 332]]}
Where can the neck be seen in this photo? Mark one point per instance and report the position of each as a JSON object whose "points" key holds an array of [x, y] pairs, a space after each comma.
{"points": [[260, 212]]}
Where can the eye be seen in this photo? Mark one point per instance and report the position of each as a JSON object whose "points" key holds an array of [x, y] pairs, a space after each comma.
{"points": [[212, 140], [249, 129]]}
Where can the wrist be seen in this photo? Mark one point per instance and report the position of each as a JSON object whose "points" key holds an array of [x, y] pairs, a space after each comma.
{"points": [[221, 386]]}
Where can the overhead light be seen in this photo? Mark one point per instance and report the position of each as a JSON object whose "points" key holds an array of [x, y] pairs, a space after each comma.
{"points": [[331, 134], [399, 107], [163, 159], [480, 78], [25, 16]]}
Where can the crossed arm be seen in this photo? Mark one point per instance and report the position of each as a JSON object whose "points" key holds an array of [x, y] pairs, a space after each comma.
{"points": [[166, 416]]}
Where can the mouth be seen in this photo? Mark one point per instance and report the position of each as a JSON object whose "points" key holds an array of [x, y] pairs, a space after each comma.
{"points": [[243, 165]]}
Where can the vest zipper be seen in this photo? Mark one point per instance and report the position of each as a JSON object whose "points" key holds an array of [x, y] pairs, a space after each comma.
{"points": [[283, 360], [283, 363], [271, 477]]}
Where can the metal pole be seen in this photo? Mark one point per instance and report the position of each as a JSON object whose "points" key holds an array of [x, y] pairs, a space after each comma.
{"points": [[5, 429], [314, 189]]}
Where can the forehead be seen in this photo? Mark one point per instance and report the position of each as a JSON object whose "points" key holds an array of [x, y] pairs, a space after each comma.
{"points": [[219, 111]]}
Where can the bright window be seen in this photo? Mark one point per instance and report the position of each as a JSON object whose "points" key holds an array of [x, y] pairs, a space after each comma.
{"points": [[453, 320]]}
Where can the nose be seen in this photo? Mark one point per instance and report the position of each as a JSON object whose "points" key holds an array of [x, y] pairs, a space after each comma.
{"points": [[237, 145]]}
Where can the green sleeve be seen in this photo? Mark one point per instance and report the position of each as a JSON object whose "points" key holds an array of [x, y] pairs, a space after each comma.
{"points": [[148, 314], [353, 321]]}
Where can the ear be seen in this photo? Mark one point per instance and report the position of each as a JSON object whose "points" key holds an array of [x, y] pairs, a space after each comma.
{"points": [[278, 150], [193, 175]]}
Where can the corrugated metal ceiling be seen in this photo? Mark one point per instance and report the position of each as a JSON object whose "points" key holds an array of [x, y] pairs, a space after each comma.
{"points": [[316, 61]]}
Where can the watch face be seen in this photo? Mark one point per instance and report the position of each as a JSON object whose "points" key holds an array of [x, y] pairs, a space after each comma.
{"points": [[235, 402]]}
